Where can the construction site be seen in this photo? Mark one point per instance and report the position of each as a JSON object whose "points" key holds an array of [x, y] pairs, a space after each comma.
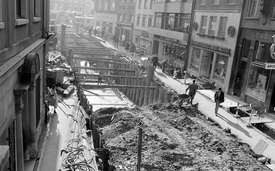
{"points": [[118, 114]]}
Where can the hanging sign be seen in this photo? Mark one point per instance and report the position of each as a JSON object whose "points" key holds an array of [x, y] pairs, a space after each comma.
{"points": [[269, 65]]}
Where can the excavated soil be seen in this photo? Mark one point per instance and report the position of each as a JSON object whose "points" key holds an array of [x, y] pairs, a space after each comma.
{"points": [[173, 139]]}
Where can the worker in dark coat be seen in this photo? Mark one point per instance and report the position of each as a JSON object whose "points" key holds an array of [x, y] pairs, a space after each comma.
{"points": [[155, 60], [219, 98]]}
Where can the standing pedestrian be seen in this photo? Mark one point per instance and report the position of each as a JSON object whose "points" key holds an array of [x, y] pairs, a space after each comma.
{"points": [[164, 63], [219, 98], [99, 79], [192, 91], [53, 97], [95, 31], [155, 60], [132, 49]]}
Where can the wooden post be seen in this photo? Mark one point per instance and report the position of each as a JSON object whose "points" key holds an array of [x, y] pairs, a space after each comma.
{"points": [[151, 94], [141, 97], [156, 95], [139, 148]]}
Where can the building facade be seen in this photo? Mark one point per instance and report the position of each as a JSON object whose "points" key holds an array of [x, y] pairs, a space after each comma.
{"points": [[144, 16], [171, 30], [125, 20], [252, 79], [23, 49], [214, 35], [105, 16]]}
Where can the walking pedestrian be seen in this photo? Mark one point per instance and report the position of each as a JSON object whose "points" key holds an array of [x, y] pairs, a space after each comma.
{"points": [[155, 60], [192, 91], [219, 98], [132, 49], [53, 97]]}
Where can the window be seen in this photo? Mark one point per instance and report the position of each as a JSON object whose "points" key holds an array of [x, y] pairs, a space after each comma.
{"points": [[110, 28], [145, 4], [125, 18], [151, 3], [258, 83], [80, 9], [150, 18], [131, 18], [139, 4], [212, 26], [76, 8], [195, 60], [273, 12], [253, 8], [106, 6], [113, 6], [215, 2], [18, 8], [138, 19], [220, 67], [36, 5], [120, 17], [203, 24], [231, 2], [182, 22], [158, 20], [222, 26], [61, 7], [170, 22], [1, 19], [143, 20], [99, 5], [201, 2], [71, 8]]}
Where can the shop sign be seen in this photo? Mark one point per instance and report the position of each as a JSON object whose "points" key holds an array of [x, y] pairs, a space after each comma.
{"points": [[269, 65], [144, 34], [212, 47], [258, 35]]}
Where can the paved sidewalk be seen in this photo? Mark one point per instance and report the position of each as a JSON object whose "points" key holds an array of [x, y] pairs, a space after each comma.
{"points": [[225, 119]]}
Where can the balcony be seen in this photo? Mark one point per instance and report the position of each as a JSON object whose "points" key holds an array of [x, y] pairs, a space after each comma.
{"points": [[170, 34]]}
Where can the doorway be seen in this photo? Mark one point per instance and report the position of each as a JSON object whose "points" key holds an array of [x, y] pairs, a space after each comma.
{"points": [[155, 47], [239, 79], [206, 64]]}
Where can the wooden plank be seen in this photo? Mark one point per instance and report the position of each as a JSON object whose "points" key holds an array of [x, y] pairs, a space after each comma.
{"points": [[108, 76], [105, 61], [91, 58], [108, 69], [95, 86]]}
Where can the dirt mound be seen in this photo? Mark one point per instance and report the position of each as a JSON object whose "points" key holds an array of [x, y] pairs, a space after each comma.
{"points": [[173, 141]]}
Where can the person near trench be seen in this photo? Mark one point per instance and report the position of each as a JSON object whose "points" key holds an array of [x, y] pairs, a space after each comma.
{"points": [[219, 98], [53, 97], [192, 91]]}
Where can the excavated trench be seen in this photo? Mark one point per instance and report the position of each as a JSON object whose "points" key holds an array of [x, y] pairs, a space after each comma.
{"points": [[174, 139]]}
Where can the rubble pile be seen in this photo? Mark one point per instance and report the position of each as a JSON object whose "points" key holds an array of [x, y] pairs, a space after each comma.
{"points": [[174, 139]]}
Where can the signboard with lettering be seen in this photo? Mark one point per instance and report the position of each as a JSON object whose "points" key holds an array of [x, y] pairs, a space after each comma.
{"points": [[212, 47], [269, 65]]}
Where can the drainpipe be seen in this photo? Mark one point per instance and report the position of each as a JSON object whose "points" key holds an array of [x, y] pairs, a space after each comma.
{"points": [[189, 36]]}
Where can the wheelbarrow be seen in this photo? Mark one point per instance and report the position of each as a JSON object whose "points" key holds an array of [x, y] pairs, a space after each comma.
{"points": [[182, 98]]}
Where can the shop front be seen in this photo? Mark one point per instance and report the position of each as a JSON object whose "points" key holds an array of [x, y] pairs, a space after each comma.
{"points": [[143, 41], [171, 49], [124, 32], [210, 63], [254, 79]]}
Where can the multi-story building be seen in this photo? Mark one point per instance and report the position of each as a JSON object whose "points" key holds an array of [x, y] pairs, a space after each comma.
{"points": [[171, 29], [89, 8], [105, 15], [214, 35], [252, 77], [144, 16], [125, 20], [23, 49]]}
